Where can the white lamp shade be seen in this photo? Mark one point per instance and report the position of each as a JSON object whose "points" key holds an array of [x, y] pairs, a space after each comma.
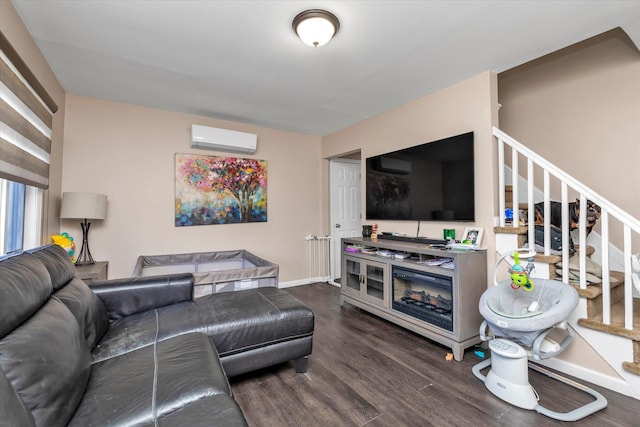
{"points": [[83, 206], [315, 31], [316, 27]]}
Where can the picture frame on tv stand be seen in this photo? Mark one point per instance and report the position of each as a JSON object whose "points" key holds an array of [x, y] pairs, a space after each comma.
{"points": [[472, 235]]}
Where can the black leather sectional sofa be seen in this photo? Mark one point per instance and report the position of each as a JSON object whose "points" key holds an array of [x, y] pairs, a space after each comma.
{"points": [[133, 352]]}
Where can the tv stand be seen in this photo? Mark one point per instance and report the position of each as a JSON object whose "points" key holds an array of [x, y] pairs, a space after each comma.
{"points": [[403, 283], [423, 240]]}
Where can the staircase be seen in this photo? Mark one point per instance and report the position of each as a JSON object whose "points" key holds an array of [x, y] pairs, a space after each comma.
{"points": [[611, 306]]}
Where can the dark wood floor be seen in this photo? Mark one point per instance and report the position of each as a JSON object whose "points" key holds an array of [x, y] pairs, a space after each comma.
{"points": [[366, 371]]}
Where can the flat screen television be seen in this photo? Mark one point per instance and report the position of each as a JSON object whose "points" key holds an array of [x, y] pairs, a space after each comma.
{"points": [[429, 182]]}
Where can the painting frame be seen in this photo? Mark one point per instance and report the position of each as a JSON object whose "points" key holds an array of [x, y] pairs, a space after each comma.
{"points": [[211, 190], [472, 235]]}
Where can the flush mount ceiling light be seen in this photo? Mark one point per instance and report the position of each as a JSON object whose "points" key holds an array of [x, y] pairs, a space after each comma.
{"points": [[316, 27]]}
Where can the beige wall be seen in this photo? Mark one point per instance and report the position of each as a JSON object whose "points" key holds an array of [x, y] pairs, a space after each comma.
{"points": [[127, 152], [467, 106], [15, 31], [580, 109]]}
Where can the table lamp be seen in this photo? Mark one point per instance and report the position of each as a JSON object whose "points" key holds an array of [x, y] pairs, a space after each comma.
{"points": [[84, 206]]}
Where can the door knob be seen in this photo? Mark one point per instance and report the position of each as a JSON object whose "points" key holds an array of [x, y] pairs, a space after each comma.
{"points": [[337, 225]]}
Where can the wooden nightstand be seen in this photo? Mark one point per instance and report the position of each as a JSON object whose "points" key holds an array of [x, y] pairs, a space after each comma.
{"points": [[91, 272]]}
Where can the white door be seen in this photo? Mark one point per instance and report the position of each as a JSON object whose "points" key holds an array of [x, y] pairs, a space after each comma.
{"points": [[346, 210]]}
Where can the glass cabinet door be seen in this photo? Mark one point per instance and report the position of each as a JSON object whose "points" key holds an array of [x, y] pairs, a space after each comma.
{"points": [[374, 281], [364, 279], [352, 276]]}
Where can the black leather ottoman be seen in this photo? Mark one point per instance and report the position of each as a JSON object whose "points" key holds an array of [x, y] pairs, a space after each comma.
{"points": [[256, 328], [251, 329]]}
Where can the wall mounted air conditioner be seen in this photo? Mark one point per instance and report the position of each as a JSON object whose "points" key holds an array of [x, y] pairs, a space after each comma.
{"points": [[208, 138]]}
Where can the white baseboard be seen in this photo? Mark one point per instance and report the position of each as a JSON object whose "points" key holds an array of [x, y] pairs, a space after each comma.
{"points": [[301, 282], [618, 385]]}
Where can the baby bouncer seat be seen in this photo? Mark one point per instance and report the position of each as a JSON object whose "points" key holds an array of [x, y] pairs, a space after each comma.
{"points": [[519, 314]]}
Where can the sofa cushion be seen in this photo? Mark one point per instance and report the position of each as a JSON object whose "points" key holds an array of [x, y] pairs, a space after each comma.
{"points": [[12, 408], [87, 308], [151, 382], [25, 285], [47, 361], [141, 329], [236, 321], [74, 293], [125, 297], [57, 262], [219, 410]]}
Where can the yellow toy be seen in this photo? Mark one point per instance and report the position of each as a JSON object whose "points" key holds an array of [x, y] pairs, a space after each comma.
{"points": [[519, 276], [66, 242]]}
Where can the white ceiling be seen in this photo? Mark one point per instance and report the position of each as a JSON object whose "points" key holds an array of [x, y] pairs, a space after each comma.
{"points": [[240, 60]]}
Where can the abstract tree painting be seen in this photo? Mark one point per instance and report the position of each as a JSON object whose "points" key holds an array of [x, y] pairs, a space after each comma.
{"points": [[219, 190]]}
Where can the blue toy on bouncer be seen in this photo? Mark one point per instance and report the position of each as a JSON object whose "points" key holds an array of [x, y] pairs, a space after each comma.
{"points": [[518, 318]]}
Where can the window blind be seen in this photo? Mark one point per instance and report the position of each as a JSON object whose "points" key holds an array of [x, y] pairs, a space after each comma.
{"points": [[26, 118]]}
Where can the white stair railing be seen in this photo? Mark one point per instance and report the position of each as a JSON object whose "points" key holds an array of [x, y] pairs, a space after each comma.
{"points": [[609, 212]]}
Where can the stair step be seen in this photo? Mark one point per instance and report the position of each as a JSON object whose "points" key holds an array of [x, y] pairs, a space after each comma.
{"points": [[634, 367], [590, 250], [549, 259], [522, 231], [595, 290], [594, 305], [510, 230], [617, 321]]}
